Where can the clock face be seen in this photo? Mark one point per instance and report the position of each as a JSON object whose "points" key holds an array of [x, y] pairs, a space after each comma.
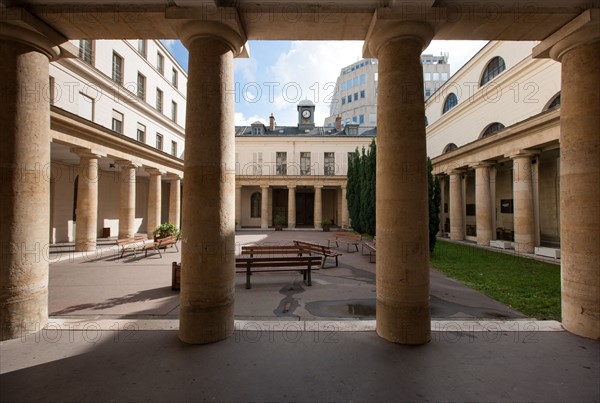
{"points": [[306, 113]]}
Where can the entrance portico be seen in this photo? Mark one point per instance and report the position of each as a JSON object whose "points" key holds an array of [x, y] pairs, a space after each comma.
{"points": [[396, 35]]}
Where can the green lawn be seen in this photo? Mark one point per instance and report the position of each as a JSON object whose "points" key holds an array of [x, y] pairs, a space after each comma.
{"points": [[526, 285]]}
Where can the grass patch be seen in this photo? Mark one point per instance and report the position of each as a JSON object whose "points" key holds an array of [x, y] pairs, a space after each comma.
{"points": [[526, 285]]}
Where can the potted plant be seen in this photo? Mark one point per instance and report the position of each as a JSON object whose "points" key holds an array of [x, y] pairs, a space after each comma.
{"points": [[164, 230], [278, 221], [326, 224]]}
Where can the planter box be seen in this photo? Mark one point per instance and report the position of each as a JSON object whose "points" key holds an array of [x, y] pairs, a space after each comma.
{"points": [[500, 244], [548, 252]]}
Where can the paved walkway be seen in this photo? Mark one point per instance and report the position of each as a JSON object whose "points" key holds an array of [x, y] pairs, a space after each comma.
{"points": [[113, 337]]}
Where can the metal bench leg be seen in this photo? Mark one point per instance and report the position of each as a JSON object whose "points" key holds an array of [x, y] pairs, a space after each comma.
{"points": [[336, 261], [248, 274], [308, 274]]}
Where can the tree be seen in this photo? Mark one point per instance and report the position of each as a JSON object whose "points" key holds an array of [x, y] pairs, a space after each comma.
{"points": [[434, 205], [360, 190]]}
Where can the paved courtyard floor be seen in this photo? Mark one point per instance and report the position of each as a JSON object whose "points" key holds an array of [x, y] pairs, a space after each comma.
{"points": [[113, 337]]}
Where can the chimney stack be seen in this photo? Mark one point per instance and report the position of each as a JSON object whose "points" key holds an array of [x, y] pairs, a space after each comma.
{"points": [[338, 123], [271, 122]]}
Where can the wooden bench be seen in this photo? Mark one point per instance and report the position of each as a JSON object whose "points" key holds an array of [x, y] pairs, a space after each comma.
{"points": [[139, 243], [347, 238], [371, 248], [162, 243], [270, 262], [322, 250]]}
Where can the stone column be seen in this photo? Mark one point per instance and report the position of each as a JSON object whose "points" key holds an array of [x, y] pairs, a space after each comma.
{"points": [[457, 224], [483, 204], [442, 179], [24, 182], [318, 210], [154, 200], [577, 46], [264, 207], [126, 198], [402, 269], [175, 200], [492, 172], [238, 204], [345, 213], [208, 251], [86, 232], [291, 206], [523, 203]]}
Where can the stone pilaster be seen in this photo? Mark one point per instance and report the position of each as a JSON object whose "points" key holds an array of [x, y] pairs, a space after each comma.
{"points": [[318, 207], [577, 46], [238, 204], [402, 269], [154, 200], [523, 202], [127, 181], [175, 200], [483, 204], [208, 252], [291, 206], [264, 207], [457, 223], [86, 232]]}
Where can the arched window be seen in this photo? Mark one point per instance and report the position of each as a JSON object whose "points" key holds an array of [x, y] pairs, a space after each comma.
{"points": [[449, 147], [451, 102], [493, 68], [554, 103], [255, 205], [491, 129]]}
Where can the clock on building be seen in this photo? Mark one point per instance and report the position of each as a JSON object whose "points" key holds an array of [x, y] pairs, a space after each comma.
{"points": [[306, 113]]}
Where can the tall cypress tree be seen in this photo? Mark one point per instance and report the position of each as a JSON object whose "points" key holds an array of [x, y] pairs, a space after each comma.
{"points": [[434, 205]]}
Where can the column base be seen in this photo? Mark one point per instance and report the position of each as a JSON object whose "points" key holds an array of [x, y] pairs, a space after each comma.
{"points": [[208, 325], [23, 316], [404, 324]]}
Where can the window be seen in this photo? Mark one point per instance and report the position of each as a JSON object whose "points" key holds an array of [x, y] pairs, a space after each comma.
{"points": [[436, 77], [117, 121], [444, 76], [555, 103], [86, 107], [449, 147], [174, 111], [329, 164], [362, 78], [86, 50], [257, 162], [174, 77], [354, 120], [281, 163], [255, 205], [493, 68], [355, 81], [174, 148], [141, 133], [159, 100], [160, 63], [159, 141], [117, 68], [451, 102], [349, 84], [142, 47], [372, 118], [141, 86], [343, 100], [344, 86], [304, 163], [362, 94], [349, 98], [361, 119], [491, 129], [427, 76], [356, 96]]}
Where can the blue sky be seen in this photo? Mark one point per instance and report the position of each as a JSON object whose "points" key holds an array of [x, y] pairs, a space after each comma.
{"points": [[279, 74]]}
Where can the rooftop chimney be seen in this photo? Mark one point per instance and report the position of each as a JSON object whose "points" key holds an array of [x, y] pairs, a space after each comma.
{"points": [[271, 122], [338, 123]]}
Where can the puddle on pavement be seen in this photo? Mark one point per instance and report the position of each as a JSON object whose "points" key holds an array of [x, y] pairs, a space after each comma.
{"points": [[356, 308]]}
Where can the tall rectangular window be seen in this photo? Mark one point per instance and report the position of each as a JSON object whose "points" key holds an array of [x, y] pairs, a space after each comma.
{"points": [[117, 121], [159, 100], [141, 133], [362, 78], [361, 119], [349, 98], [174, 111], [174, 77], [329, 164], [86, 50], [257, 163], [356, 96], [355, 81], [142, 47], [304, 163], [349, 84], [174, 148], [117, 68], [362, 94], [159, 141], [160, 63], [281, 163], [86, 106], [141, 86]]}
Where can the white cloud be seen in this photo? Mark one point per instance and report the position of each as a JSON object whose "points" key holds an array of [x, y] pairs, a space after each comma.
{"points": [[241, 120]]}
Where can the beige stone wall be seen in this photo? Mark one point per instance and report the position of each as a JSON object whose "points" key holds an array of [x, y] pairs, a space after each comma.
{"points": [[247, 220], [549, 188], [330, 205], [504, 190]]}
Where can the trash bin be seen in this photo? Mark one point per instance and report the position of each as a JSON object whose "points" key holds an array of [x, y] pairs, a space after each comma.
{"points": [[176, 275], [106, 232]]}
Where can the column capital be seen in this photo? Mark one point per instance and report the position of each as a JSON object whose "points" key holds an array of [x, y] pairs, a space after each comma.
{"points": [[291, 186], [124, 164], [456, 172], [522, 154], [583, 29], [231, 35], [483, 164], [21, 26], [173, 177], [318, 186], [83, 152], [388, 25], [153, 171], [264, 186]]}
